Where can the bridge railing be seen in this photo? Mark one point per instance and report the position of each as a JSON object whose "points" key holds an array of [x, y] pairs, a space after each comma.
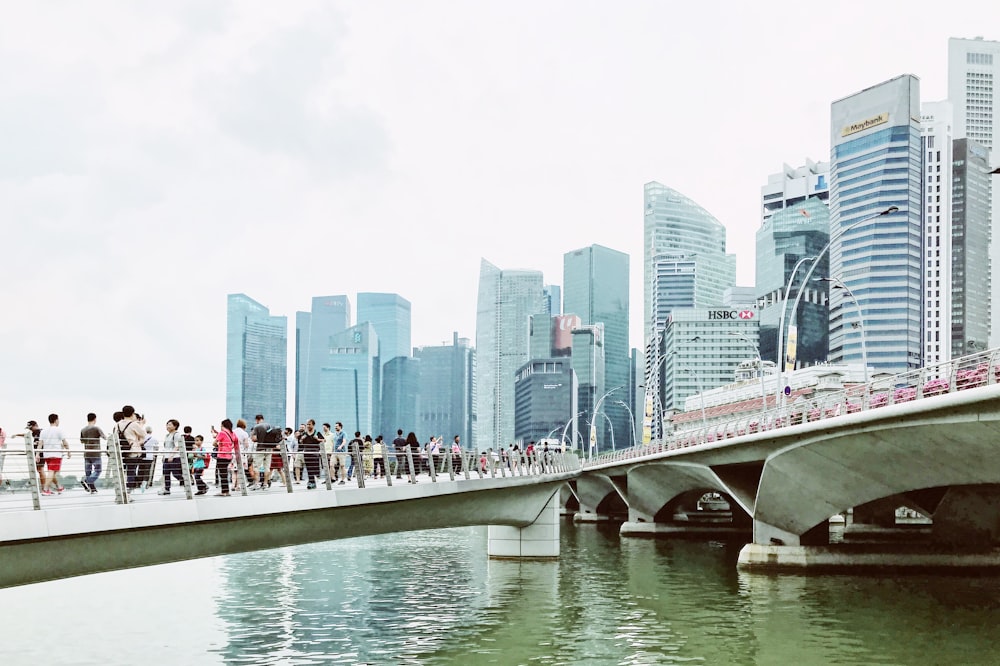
{"points": [[124, 478], [974, 370]]}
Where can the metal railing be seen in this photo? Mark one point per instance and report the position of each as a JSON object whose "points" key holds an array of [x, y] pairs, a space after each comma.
{"points": [[967, 372], [128, 477]]}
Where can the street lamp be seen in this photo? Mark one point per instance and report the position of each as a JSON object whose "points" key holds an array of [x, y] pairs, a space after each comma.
{"points": [[760, 368], [701, 394], [631, 416], [839, 284], [593, 418], [805, 281], [611, 426], [566, 427]]}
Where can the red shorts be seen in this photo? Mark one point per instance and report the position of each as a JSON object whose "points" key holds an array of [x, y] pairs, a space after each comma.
{"points": [[276, 461], [53, 464]]}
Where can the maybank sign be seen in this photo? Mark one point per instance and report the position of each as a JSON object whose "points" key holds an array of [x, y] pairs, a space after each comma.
{"points": [[867, 123]]}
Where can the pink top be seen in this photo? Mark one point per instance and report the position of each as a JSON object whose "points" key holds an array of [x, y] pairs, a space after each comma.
{"points": [[227, 442]]}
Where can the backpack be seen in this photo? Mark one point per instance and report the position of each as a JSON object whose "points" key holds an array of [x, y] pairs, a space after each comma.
{"points": [[274, 435]]}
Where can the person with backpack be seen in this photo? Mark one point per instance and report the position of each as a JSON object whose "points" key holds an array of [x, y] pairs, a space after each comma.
{"points": [[130, 437], [266, 439]]}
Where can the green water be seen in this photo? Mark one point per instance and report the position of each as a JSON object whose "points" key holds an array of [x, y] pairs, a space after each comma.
{"points": [[435, 598]]}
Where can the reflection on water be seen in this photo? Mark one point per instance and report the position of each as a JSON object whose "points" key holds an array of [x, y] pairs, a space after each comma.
{"points": [[434, 598]]}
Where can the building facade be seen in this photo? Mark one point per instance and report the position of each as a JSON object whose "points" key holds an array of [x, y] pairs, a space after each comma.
{"points": [[400, 403], [447, 391], [596, 288], [544, 392], [256, 361], [936, 134], [348, 384], [329, 316], [971, 283], [974, 91], [876, 164]]}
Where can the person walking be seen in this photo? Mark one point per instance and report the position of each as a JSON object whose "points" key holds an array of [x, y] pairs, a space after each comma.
{"points": [[226, 442], [399, 446], [130, 438], [91, 437], [378, 458], [200, 459], [53, 443], [309, 446], [173, 445]]}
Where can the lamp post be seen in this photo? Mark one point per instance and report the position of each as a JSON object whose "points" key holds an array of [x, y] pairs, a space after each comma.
{"points": [[701, 394], [632, 417], [593, 418], [760, 368], [562, 440], [656, 370], [780, 360], [839, 284], [611, 426], [805, 281]]}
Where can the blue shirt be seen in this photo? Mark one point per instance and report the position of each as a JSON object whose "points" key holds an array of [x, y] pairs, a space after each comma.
{"points": [[338, 441]]}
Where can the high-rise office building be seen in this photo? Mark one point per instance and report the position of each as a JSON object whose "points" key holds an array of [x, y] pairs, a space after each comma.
{"points": [[390, 315], [400, 403], [974, 91], [684, 265], [347, 384], [596, 288], [589, 366], [793, 186], [545, 392], [447, 391], [256, 361], [971, 238], [787, 237], [876, 164], [507, 298], [313, 330], [552, 297], [936, 134]]}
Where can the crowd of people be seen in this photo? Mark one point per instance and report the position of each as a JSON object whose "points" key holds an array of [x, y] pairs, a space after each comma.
{"points": [[257, 456]]}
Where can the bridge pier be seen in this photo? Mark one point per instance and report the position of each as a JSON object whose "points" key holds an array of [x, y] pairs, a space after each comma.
{"points": [[539, 540]]}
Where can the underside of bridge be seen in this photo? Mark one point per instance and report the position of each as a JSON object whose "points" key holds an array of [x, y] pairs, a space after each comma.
{"points": [[57, 544]]}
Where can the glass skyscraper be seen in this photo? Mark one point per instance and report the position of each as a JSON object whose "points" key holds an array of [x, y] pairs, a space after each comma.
{"points": [[507, 298], [876, 163], [313, 330], [785, 237], [390, 315], [447, 391], [971, 238], [685, 265], [596, 288], [400, 398], [256, 361], [347, 384]]}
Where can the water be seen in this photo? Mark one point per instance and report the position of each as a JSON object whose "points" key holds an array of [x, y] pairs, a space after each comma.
{"points": [[435, 598]]}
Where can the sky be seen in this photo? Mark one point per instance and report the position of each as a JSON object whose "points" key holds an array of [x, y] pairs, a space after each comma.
{"points": [[159, 156]]}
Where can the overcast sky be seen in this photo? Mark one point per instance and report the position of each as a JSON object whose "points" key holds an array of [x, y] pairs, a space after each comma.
{"points": [[159, 156]]}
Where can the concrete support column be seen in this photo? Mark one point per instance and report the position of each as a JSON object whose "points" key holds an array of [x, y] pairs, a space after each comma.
{"points": [[540, 540]]}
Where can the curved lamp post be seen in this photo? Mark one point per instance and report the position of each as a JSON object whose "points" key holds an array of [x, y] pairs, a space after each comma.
{"points": [[631, 416], [697, 379], [593, 419], [562, 440], [805, 281], [839, 284], [760, 368], [611, 427]]}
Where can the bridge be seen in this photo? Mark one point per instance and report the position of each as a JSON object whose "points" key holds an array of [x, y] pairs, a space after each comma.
{"points": [[77, 532], [925, 440]]}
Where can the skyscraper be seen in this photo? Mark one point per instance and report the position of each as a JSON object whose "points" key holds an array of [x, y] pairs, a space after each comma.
{"points": [[390, 315], [347, 386], [507, 298], [936, 134], [589, 367], [596, 287], [447, 391], [786, 237], [400, 401], [974, 91], [313, 330], [684, 265], [256, 361], [971, 238], [875, 164]]}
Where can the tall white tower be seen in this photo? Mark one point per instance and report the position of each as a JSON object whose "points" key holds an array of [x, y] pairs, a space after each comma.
{"points": [[936, 134]]}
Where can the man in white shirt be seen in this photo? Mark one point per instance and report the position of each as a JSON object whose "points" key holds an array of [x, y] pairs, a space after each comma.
{"points": [[52, 443], [173, 444]]}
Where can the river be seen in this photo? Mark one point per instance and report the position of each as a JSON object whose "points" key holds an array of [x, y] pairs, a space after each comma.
{"points": [[435, 598]]}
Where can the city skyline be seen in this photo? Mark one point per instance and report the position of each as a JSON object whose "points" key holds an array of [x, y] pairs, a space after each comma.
{"points": [[154, 185]]}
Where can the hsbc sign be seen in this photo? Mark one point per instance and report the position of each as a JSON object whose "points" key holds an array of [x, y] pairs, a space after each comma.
{"points": [[730, 314]]}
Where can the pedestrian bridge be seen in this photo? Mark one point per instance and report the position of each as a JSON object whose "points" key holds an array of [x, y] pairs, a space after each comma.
{"points": [[76, 532], [925, 440]]}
